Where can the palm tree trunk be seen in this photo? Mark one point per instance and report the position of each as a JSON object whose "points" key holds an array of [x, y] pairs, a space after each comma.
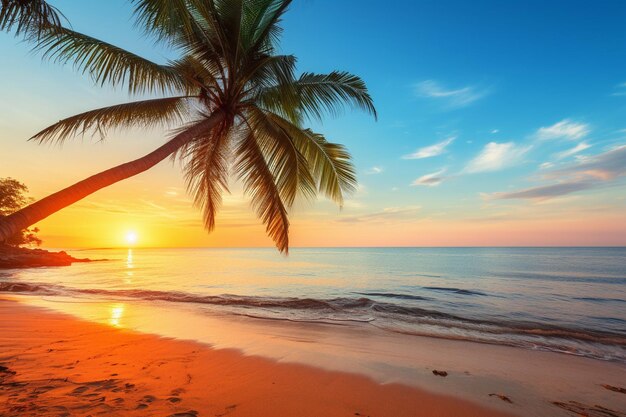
{"points": [[43, 208]]}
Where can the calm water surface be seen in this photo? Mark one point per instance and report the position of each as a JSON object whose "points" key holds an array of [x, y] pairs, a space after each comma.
{"points": [[570, 300]]}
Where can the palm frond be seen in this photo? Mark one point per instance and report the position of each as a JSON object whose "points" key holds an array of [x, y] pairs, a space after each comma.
{"points": [[177, 22], [206, 171], [28, 16], [287, 164], [330, 163], [271, 70], [323, 93], [107, 63], [259, 183], [145, 113], [163, 18], [263, 30]]}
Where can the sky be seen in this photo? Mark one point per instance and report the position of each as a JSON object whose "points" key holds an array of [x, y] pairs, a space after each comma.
{"points": [[500, 124]]}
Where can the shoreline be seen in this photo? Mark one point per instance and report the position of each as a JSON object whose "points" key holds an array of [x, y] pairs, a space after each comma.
{"points": [[482, 375], [55, 364]]}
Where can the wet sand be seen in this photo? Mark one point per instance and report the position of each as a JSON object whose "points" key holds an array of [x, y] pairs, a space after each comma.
{"points": [[53, 364]]}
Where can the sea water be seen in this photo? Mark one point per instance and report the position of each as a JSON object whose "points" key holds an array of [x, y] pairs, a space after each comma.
{"points": [[569, 300]]}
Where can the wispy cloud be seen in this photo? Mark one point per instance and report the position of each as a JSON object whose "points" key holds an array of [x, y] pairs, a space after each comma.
{"points": [[375, 170], [565, 129], [605, 166], [599, 170], [387, 214], [545, 191], [452, 98], [430, 151], [573, 151], [496, 156], [430, 180], [620, 90]]}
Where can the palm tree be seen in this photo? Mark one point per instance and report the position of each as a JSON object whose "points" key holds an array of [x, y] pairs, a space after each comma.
{"points": [[232, 104]]}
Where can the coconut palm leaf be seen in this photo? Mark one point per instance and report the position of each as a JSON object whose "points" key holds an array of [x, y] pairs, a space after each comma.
{"points": [[165, 112], [288, 165], [320, 93], [206, 171], [28, 16], [107, 63], [253, 169], [264, 32], [330, 163]]}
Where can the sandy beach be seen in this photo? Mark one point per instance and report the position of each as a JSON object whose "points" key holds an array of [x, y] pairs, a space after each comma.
{"points": [[56, 364], [53, 364]]}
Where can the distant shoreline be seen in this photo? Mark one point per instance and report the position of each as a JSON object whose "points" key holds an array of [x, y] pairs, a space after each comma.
{"points": [[15, 257], [78, 249]]}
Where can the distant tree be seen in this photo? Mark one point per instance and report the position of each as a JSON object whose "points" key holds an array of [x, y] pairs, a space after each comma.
{"points": [[13, 196]]}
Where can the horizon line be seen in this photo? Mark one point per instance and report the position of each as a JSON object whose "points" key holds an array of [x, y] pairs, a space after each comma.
{"points": [[337, 247]]}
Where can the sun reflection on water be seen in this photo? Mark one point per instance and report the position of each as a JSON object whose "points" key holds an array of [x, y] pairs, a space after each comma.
{"points": [[129, 267], [116, 314]]}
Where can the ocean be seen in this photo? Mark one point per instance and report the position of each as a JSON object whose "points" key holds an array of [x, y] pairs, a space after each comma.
{"points": [[568, 300]]}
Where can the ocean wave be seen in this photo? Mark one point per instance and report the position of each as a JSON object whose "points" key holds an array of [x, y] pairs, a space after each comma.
{"points": [[397, 317], [455, 290], [394, 295], [600, 299]]}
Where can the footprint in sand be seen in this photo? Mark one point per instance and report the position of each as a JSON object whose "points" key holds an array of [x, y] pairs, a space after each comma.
{"points": [[190, 413], [79, 390], [502, 397], [227, 410], [613, 388], [588, 410]]}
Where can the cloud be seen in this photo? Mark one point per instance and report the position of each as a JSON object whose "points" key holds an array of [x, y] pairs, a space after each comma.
{"points": [[565, 129], [496, 156], [494, 131], [460, 97], [430, 180], [620, 90], [605, 166], [430, 151], [578, 148], [592, 172], [375, 170], [545, 191], [386, 214]]}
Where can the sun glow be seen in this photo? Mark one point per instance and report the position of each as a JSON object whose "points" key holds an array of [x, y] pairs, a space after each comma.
{"points": [[131, 238]]}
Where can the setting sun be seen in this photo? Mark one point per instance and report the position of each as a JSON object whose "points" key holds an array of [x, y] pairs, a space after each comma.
{"points": [[131, 238]]}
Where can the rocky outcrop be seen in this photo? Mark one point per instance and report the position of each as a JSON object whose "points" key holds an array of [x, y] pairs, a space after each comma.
{"points": [[12, 257]]}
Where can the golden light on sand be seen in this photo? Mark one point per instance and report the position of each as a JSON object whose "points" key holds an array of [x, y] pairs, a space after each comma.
{"points": [[131, 237]]}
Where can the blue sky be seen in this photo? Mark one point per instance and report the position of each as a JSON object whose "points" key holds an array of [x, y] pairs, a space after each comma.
{"points": [[487, 109]]}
